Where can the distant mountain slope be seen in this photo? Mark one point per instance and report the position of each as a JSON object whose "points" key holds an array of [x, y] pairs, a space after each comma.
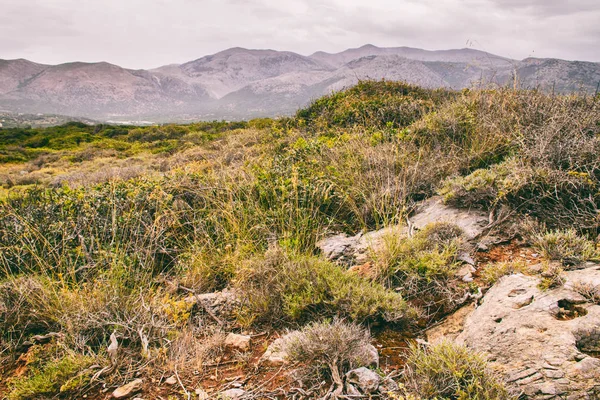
{"points": [[242, 83]]}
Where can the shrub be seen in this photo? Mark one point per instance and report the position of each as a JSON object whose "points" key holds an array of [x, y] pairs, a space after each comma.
{"points": [[372, 103], [64, 373], [552, 276], [422, 267], [588, 290], [494, 271], [449, 371], [565, 246], [282, 287], [329, 349]]}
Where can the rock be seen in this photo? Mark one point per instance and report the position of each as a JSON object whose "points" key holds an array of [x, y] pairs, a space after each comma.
{"points": [[128, 390], [274, 355], [233, 394], [238, 342], [451, 326], [353, 250], [433, 210], [365, 379], [388, 385], [172, 380], [202, 395], [538, 339], [373, 356]]}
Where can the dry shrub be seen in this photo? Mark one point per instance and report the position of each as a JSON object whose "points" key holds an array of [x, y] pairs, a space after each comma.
{"points": [[588, 290], [193, 350], [327, 350]]}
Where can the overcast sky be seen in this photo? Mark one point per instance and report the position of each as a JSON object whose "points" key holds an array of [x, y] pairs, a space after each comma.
{"points": [[150, 33]]}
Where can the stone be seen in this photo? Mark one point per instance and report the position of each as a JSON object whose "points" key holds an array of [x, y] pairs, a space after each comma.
{"points": [[275, 355], [172, 380], [372, 356], [128, 390], [201, 394], [354, 250], [539, 352], [233, 394], [365, 379], [238, 342]]}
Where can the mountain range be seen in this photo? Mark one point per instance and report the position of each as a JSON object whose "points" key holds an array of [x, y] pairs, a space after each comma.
{"points": [[242, 83]]}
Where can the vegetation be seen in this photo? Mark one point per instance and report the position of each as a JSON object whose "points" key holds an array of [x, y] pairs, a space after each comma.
{"points": [[449, 371], [105, 231], [329, 349]]}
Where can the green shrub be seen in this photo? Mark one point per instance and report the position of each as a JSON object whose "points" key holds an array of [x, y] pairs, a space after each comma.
{"points": [[63, 373], [372, 103], [565, 246], [282, 287], [494, 271], [448, 371], [422, 267]]}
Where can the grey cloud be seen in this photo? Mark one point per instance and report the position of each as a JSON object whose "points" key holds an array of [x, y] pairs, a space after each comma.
{"points": [[149, 33]]}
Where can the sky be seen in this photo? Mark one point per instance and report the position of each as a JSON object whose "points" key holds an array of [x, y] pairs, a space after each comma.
{"points": [[151, 33]]}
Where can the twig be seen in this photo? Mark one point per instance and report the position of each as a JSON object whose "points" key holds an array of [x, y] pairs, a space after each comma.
{"points": [[188, 395]]}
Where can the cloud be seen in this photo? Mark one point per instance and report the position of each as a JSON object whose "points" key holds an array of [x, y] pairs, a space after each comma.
{"points": [[149, 33]]}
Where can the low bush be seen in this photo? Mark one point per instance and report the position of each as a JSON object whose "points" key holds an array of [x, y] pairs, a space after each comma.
{"points": [[60, 372], [422, 267], [448, 371], [494, 271], [286, 288], [589, 291], [565, 246], [327, 350]]}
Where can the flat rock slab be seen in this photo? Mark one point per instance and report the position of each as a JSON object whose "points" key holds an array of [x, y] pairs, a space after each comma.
{"points": [[351, 250], [538, 339]]}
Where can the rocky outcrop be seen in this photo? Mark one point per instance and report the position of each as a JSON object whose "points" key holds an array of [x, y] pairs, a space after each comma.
{"points": [[352, 250], [544, 342]]}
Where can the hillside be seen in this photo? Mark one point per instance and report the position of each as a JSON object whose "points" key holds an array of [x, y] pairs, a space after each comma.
{"points": [[242, 83], [387, 241]]}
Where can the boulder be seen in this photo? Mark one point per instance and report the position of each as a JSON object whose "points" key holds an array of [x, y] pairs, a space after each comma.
{"points": [[128, 390], [542, 341], [365, 379], [238, 342]]}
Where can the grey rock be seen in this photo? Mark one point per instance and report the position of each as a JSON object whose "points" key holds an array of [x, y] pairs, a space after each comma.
{"points": [[351, 250], [538, 352], [365, 379]]}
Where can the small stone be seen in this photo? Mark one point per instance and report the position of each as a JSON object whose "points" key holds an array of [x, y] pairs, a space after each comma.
{"points": [[554, 374], [521, 374], [172, 380], [128, 390], [202, 395], [548, 388], [365, 379], [233, 394], [373, 356], [238, 342]]}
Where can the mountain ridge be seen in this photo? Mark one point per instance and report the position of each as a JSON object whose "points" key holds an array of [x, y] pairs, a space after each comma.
{"points": [[246, 83]]}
